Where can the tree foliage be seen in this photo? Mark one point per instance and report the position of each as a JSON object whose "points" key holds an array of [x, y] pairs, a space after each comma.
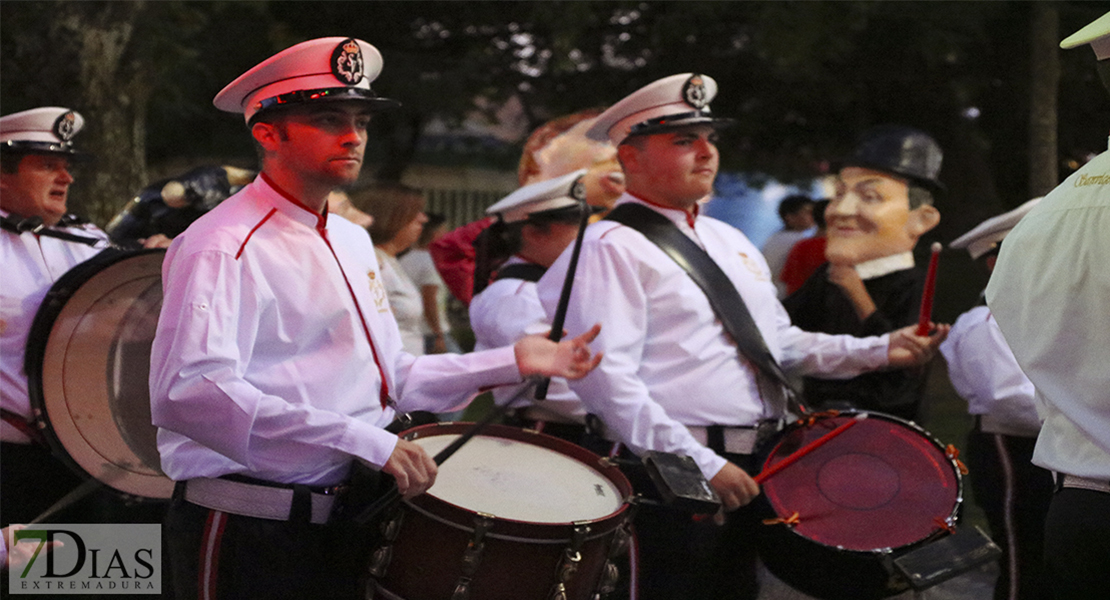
{"points": [[801, 78]]}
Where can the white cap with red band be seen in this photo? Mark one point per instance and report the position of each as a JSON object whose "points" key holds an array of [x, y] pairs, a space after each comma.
{"points": [[320, 70]]}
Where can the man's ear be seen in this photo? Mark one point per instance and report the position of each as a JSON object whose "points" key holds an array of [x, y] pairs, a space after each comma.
{"points": [[922, 219], [266, 134], [629, 156]]}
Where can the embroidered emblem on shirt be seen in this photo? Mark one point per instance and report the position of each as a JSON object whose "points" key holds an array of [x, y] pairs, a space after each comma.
{"points": [[377, 292], [753, 266]]}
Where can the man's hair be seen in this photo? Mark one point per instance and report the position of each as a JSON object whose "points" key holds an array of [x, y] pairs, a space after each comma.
{"points": [[792, 204], [819, 212], [391, 204]]}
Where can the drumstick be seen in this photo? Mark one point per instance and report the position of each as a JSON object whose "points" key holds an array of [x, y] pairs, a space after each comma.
{"points": [[87, 487], [927, 296], [564, 297], [804, 450]]}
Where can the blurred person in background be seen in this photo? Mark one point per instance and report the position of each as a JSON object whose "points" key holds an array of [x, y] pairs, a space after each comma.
{"points": [[796, 212], [418, 264], [398, 219]]}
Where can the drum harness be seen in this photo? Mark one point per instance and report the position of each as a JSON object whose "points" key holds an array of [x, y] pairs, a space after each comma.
{"points": [[737, 320]]}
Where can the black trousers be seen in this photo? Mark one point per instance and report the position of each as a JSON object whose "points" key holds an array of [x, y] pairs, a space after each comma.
{"points": [[685, 557], [1077, 545], [1015, 495], [216, 555]]}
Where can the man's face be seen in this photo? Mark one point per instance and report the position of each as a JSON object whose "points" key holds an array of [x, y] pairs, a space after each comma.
{"points": [[869, 217], [674, 168], [39, 188], [801, 219], [324, 143]]}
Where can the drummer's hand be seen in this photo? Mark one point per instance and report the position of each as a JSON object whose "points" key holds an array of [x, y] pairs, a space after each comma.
{"points": [[571, 359], [908, 349], [735, 487], [413, 469], [19, 554]]}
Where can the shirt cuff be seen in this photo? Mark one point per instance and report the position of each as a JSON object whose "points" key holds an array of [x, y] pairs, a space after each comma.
{"points": [[368, 442]]}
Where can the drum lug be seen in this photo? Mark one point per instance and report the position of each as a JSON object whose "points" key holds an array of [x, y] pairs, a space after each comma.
{"points": [[472, 556], [617, 548], [572, 558], [390, 528]]}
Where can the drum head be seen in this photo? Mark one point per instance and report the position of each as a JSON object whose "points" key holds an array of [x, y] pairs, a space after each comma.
{"points": [[882, 484], [88, 367]]}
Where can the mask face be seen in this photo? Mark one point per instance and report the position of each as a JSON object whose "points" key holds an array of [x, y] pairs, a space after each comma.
{"points": [[869, 217]]}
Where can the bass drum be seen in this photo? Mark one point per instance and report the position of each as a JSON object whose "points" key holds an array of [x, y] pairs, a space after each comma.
{"points": [[88, 366], [514, 514], [839, 516]]}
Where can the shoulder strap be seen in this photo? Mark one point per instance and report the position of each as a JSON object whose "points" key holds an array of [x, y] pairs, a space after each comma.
{"points": [[526, 271], [722, 294], [34, 225]]}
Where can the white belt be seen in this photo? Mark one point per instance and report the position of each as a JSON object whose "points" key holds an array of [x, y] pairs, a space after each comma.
{"points": [[738, 440], [1086, 483], [251, 500]]}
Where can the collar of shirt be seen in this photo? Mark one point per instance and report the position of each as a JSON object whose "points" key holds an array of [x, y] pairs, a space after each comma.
{"points": [[291, 207], [676, 215], [884, 266]]}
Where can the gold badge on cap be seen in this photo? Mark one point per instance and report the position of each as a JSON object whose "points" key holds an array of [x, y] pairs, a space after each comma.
{"points": [[346, 62], [65, 126], [694, 92]]}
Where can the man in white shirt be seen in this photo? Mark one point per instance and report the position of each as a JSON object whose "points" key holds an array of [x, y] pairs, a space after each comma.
{"points": [[796, 212], [1013, 492], [671, 379], [39, 243], [1048, 293], [275, 368]]}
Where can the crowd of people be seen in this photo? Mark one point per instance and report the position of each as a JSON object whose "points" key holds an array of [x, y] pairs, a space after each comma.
{"points": [[303, 319]]}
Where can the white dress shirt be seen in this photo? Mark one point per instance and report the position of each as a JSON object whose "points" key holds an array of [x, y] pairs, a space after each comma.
{"points": [[504, 312], [262, 364], [32, 263], [984, 372], [668, 361], [1050, 292]]}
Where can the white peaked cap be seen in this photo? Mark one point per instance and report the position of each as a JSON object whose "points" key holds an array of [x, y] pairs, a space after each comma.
{"points": [[320, 70], [986, 235], [671, 102], [1096, 33], [48, 129], [553, 194]]}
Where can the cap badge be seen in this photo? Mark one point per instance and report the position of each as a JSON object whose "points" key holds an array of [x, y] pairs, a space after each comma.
{"points": [[694, 92], [346, 62], [65, 126], [578, 190]]}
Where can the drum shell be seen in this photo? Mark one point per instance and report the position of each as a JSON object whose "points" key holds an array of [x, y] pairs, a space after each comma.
{"points": [[87, 364], [832, 572], [520, 559]]}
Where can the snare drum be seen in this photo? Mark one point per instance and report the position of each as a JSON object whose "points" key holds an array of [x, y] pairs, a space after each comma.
{"points": [[878, 490], [513, 515]]}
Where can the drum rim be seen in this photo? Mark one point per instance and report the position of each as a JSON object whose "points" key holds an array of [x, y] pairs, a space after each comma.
{"points": [[426, 503], [40, 333], [938, 533]]}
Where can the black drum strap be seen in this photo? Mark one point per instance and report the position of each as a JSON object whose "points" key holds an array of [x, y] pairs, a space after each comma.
{"points": [[719, 289], [35, 225]]}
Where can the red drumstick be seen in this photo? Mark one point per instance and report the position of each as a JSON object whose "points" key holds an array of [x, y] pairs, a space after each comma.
{"points": [[927, 296], [804, 450]]}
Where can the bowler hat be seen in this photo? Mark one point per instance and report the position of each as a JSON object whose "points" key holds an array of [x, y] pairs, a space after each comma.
{"points": [[901, 151]]}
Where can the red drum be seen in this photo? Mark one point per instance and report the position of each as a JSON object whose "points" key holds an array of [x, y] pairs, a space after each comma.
{"points": [[88, 370], [513, 515], [878, 490]]}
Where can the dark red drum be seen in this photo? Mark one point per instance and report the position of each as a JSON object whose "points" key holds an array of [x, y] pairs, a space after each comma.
{"points": [[513, 515], [88, 366], [878, 490]]}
